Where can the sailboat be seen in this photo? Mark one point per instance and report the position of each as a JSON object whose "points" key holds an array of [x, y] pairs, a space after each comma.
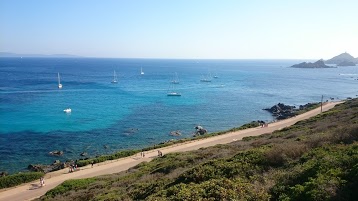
{"points": [[175, 79], [59, 81], [115, 79], [141, 71], [67, 110], [171, 90]]}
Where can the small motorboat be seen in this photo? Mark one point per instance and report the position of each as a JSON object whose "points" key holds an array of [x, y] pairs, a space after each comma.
{"points": [[173, 94], [68, 110]]}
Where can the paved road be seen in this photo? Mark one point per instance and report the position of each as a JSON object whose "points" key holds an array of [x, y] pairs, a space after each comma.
{"points": [[32, 190]]}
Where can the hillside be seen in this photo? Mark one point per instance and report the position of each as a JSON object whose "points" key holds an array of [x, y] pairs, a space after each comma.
{"points": [[344, 57], [315, 159]]}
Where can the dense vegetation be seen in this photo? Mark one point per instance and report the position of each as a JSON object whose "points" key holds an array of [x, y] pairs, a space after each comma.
{"points": [[20, 178], [315, 159]]}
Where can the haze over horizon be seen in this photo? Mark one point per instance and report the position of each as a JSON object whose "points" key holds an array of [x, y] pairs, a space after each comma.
{"points": [[181, 29]]}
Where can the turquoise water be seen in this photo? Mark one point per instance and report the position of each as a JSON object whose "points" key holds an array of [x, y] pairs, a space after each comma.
{"points": [[136, 112]]}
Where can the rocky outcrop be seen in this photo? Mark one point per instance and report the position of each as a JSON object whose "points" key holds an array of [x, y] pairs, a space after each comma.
{"points": [[199, 130], [317, 64], [282, 111], [56, 153], [56, 165], [175, 133]]}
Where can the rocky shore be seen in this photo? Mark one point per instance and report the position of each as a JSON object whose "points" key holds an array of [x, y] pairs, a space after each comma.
{"points": [[281, 111]]}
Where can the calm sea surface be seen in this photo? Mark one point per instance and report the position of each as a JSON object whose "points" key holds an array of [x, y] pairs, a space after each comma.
{"points": [[137, 112]]}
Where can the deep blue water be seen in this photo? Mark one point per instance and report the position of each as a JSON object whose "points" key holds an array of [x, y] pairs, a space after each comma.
{"points": [[136, 112]]}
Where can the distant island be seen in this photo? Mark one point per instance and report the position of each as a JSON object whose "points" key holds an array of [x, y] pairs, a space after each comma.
{"points": [[317, 64], [343, 59], [346, 63], [12, 55]]}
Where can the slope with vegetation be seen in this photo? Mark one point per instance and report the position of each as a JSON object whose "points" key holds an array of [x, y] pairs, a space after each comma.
{"points": [[315, 159]]}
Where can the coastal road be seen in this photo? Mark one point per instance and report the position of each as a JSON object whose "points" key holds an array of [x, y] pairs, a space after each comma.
{"points": [[32, 190]]}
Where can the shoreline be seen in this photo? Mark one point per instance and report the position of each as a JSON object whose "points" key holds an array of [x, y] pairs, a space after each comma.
{"points": [[128, 152], [27, 191]]}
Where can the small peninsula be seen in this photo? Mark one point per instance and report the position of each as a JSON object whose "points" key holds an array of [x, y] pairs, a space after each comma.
{"points": [[317, 64]]}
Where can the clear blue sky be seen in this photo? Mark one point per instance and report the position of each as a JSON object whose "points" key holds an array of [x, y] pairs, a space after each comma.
{"points": [[234, 29]]}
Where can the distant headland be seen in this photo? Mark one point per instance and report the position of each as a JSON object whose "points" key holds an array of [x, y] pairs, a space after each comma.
{"points": [[317, 64], [9, 54], [343, 59]]}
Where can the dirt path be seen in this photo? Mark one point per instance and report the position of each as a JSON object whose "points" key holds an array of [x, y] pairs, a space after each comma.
{"points": [[32, 190]]}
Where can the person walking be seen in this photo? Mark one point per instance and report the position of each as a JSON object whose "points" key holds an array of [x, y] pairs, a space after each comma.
{"points": [[42, 182]]}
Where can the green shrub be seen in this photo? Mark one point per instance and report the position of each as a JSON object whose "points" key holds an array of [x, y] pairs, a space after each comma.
{"points": [[70, 185], [19, 178], [103, 158]]}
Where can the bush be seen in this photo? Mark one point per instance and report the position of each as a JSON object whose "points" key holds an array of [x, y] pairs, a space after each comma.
{"points": [[19, 178], [103, 158], [70, 185]]}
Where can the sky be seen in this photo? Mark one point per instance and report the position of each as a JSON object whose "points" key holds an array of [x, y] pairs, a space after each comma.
{"points": [[188, 29]]}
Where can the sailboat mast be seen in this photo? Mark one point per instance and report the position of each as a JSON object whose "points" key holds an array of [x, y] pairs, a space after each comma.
{"points": [[58, 77]]}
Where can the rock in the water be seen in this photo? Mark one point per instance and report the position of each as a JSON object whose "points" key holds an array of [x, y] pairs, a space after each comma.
{"points": [[83, 154], [56, 153], [175, 133], [45, 168]]}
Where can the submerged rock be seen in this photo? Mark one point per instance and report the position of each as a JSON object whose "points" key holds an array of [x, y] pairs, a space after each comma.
{"points": [[83, 154], [56, 153], [175, 133]]}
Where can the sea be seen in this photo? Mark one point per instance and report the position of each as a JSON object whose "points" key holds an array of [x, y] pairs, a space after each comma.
{"points": [[136, 112]]}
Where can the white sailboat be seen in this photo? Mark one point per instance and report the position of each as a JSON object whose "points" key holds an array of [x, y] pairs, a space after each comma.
{"points": [[67, 110], [141, 71], [171, 90], [175, 79], [115, 79], [59, 81]]}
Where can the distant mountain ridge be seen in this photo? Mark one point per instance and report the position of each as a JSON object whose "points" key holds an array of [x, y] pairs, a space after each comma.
{"points": [[342, 59], [9, 54]]}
